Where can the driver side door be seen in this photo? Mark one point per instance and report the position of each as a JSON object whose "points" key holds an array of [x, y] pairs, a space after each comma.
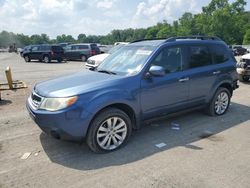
{"points": [[161, 95]]}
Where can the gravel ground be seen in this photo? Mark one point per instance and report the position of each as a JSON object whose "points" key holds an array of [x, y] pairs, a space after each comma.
{"points": [[189, 159]]}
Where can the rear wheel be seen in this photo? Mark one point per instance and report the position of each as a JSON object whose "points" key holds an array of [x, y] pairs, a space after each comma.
{"points": [[220, 102], [46, 59], [109, 131], [83, 58], [27, 58]]}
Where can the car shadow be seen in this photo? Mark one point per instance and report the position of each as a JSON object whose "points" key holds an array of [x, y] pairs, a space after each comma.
{"points": [[5, 102], [193, 126]]}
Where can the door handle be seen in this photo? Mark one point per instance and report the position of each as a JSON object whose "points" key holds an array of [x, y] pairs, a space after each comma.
{"points": [[183, 79], [216, 72]]}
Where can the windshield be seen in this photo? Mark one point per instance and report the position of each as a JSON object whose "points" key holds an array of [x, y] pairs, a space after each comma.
{"points": [[115, 48], [128, 60]]}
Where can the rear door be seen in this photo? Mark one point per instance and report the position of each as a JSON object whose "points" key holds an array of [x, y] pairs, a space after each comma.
{"points": [[83, 49], [202, 73]]}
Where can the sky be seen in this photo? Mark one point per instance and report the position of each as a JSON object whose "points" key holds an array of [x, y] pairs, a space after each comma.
{"points": [[93, 17]]}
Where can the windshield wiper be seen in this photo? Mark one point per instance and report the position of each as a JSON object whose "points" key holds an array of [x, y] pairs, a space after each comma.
{"points": [[106, 71]]}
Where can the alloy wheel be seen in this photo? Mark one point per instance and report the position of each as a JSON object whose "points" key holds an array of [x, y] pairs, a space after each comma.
{"points": [[221, 103], [46, 59], [111, 133]]}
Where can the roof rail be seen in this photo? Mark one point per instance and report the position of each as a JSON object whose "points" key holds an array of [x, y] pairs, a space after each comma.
{"points": [[194, 37], [147, 40]]}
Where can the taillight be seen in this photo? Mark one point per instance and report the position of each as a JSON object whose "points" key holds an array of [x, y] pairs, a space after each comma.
{"points": [[93, 52]]}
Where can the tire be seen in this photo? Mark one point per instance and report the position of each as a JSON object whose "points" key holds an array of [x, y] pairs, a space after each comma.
{"points": [[243, 78], [83, 58], [46, 59], [219, 103], [59, 60], [27, 58], [103, 131]]}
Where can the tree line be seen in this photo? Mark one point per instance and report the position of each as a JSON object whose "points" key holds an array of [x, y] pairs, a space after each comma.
{"points": [[229, 21]]}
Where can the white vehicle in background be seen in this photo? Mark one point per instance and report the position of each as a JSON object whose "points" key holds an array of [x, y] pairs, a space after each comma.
{"points": [[96, 60], [120, 43], [243, 68]]}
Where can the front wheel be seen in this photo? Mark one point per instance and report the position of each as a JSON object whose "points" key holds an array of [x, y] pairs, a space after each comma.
{"points": [[220, 102], [109, 131], [27, 58]]}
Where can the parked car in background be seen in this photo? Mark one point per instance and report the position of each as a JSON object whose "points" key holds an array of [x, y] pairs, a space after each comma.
{"points": [[143, 80], [118, 43], [96, 60], [243, 68], [44, 53], [64, 44], [81, 51], [239, 50], [104, 48]]}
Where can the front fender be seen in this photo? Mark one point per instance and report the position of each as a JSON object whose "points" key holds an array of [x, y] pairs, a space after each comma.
{"points": [[112, 96]]}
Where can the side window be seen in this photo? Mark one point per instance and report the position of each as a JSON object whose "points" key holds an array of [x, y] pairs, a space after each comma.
{"points": [[170, 59], [82, 47], [35, 48], [73, 47], [199, 56], [68, 47], [220, 54]]}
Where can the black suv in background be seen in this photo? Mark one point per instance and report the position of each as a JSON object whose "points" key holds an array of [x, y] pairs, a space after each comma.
{"points": [[239, 50], [44, 53], [81, 51]]}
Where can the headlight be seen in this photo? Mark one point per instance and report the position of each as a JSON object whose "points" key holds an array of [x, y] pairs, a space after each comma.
{"points": [[54, 104]]}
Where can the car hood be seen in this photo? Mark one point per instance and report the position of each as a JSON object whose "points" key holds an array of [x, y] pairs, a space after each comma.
{"points": [[74, 84], [247, 56], [99, 57]]}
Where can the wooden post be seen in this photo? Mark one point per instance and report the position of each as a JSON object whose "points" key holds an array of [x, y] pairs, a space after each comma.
{"points": [[9, 77]]}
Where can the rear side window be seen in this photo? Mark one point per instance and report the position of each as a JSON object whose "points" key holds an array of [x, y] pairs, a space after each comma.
{"points": [[220, 53], [45, 48], [199, 56], [83, 47]]}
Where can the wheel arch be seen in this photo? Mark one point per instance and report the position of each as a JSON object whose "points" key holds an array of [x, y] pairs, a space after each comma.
{"points": [[225, 84], [121, 106]]}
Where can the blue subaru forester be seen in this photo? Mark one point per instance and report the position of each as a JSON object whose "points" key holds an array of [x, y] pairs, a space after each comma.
{"points": [[143, 80]]}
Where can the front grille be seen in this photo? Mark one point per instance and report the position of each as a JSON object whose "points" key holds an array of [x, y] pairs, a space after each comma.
{"points": [[247, 62], [35, 99]]}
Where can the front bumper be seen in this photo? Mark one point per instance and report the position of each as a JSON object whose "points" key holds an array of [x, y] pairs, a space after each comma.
{"points": [[68, 124]]}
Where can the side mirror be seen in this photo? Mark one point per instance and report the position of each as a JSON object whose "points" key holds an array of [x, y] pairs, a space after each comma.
{"points": [[156, 71]]}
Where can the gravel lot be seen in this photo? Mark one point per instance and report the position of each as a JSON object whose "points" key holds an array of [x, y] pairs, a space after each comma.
{"points": [[189, 159]]}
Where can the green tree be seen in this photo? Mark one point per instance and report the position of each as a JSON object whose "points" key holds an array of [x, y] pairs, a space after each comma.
{"points": [[247, 37], [81, 38]]}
